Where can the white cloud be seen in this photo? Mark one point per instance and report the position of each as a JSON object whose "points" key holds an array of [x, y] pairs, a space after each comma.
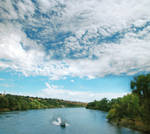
{"points": [[111, 15], [25, 8], [53, 91], [46, 5], [130, 56], [57, 92], [86, 20], [7, 10], [23, 57]]}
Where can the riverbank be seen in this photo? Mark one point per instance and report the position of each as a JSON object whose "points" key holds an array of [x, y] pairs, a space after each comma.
{"points": [[10, 102], [135, 124], [132, 124], [125, 112], [129, 123], [131, 110]]}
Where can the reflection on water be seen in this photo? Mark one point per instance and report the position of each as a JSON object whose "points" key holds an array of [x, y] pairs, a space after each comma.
{"points": [[46, 121]]}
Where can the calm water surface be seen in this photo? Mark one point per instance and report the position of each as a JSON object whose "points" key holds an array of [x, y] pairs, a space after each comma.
{"points": [[80, 120]]}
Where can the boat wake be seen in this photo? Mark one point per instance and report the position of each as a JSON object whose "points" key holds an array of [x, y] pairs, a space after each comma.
{"points": [[59, 122]]}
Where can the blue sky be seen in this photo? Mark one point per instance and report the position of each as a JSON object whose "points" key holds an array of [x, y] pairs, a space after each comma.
{"points": [[74, 50], [108, 86]]}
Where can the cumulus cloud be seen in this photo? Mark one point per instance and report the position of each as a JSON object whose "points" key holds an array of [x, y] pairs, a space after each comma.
{"points": [[54, 91], [17, 51], [78, 38]]}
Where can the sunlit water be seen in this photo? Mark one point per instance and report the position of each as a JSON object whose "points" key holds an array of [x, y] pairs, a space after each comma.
{"points": [[79, 120]]}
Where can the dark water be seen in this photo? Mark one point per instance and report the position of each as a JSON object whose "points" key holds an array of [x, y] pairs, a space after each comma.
{"points": [[80, 120]]}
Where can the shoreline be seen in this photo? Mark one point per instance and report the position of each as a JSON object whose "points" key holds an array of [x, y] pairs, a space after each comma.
{"points": [[8, 110], [129, 123], [10, 102], [132, 124]]}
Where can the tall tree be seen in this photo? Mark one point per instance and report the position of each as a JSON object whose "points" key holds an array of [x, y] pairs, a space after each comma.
{"points": [[141, 86]]}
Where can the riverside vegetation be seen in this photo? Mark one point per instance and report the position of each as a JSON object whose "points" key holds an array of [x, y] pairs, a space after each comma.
{"points": [[10, 102], [132, 110]]}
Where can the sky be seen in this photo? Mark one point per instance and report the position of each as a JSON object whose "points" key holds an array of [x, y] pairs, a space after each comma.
{"points": [[80, 50]]}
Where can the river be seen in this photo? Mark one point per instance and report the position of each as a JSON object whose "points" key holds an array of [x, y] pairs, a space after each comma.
{"points": [[79, 120]]}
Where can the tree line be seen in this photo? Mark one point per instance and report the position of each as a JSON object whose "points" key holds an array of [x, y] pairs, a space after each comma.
{"points": [[132, 110], [10, 102]]}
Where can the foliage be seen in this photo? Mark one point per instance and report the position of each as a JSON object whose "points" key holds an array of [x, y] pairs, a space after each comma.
{"points": [[99, 105], [126, 107], [15, 102], [141, 86], [132, 109], [103, 105]]}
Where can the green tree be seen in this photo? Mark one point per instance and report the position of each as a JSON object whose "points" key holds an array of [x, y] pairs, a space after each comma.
{"points": [[141, 86], [126, 107], [3, 102]]}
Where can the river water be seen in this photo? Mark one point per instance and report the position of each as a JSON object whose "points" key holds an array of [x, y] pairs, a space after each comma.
{"points": [[79, 121]]}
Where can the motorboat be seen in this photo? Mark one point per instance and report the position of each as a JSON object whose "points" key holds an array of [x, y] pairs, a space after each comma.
{"points": [[60, 123], [63, 124]]}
